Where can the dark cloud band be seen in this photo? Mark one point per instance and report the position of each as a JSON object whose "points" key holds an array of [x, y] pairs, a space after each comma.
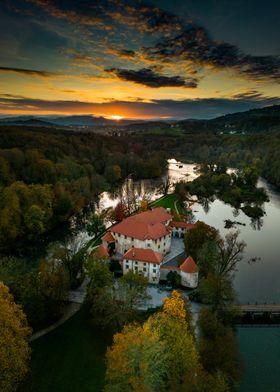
{"points": [[149, 78]]}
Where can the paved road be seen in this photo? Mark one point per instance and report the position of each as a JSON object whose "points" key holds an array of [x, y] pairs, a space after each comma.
{"points": [[177, 248]]}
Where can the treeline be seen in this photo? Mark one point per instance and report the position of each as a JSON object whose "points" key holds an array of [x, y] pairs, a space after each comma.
{"points": [[259, 150], [46, 176]]}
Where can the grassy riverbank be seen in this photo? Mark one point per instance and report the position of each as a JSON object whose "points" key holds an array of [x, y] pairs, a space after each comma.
{"points": [[171, 201]]}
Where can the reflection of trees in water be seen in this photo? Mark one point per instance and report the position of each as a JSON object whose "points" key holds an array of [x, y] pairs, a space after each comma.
{"points": [[205, 202], [257, 223], [235, 212]]}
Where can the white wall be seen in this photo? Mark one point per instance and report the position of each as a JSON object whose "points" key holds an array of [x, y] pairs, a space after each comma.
{"points": [[162, 245], [189, 279], [149, 270]]}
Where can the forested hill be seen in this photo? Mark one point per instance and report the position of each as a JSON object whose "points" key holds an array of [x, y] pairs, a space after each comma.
{"points": [[48, 175], [249, 122]]}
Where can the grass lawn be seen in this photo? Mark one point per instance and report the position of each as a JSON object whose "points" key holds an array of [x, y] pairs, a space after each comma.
{"points": [[69, 359], [169, 201]]}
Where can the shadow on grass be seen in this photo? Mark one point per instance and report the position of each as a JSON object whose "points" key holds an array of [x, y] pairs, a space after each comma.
{"points": [[71, 358]]}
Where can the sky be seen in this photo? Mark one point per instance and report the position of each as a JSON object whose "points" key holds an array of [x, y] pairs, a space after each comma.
{"points": [[132, 59]]}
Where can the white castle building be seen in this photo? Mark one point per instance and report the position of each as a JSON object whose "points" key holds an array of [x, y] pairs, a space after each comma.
{"points": [[143, 239]]}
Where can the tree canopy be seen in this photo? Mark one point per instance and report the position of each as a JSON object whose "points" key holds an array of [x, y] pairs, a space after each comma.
{"points": [[14, 348]]}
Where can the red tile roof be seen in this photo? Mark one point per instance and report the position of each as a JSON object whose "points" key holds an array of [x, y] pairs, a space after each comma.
{"points": [[101, 251], [146, 255], [170, 267], [189, 266], [156, 215], [182, 225], [144, 226], [108, 237]]}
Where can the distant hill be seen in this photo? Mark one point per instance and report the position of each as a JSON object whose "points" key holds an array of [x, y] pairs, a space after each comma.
{"points": [[68, 121], [81, 121], [251, 121], [29, 122]]}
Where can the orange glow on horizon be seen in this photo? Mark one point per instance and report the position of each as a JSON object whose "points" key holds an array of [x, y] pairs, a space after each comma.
{"points": [[114, 117]]}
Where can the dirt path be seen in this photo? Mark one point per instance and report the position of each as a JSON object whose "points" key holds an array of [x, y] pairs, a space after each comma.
{"points": [[69, 311]]}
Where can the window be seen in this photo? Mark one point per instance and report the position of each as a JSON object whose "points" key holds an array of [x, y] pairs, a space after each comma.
{"points": [[136, 269], [125, 237], [154, 271], [127, 267], [144, 269], [159, 246], [148, 245], [155, 265], [144, 263], [136, 262]]}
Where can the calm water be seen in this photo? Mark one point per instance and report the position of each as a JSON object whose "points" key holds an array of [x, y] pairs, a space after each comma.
{"points": [[259, 281], [260, 350]]}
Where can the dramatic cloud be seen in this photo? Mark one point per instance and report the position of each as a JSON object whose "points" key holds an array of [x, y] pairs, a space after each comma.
{"points": [[32, 72], [153, 19], [196, 45], [167, 108], [73, 12], [176, 39], [149, 78]]}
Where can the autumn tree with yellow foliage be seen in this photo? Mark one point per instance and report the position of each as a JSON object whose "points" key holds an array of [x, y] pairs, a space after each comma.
{"points": [[14, 348], [160, 355]]}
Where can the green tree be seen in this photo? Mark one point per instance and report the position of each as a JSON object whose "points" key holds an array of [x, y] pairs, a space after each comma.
{"points": [[72, 256], [113, 305], [95, 226], [174, 279], [34, 220], [44, 292], [195, 238], [218, 347], [14, 348]]}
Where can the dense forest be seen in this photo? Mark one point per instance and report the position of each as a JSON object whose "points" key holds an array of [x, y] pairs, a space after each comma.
{"points": [[46, 176]]}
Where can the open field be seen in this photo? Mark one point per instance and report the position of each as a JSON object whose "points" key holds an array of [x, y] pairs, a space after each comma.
{"points": [[69, 359]]}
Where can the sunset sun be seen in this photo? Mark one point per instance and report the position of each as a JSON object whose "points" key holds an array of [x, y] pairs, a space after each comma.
{"points": [[115, 117]]}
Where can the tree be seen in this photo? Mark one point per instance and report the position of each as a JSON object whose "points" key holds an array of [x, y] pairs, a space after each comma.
{"points": [[132, 290], [195, 238], [43, 292], [72, 256], [99, 276], [34, 220], [95, 226], [218, 347], [230, 252], [136, 361], [119, 212], [156, 356], [173, 278], [113, 305], [14, 348], [217, 290]]}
